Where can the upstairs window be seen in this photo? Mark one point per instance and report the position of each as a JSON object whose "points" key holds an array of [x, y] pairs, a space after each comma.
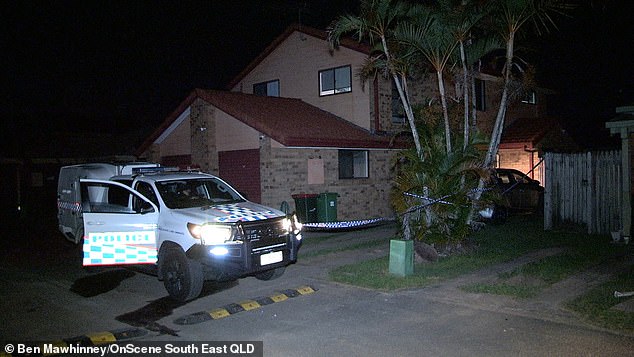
{"points": [[335, 81], [398, 113], [530, 98], [480, 95], [267, 89], [353, 164]]}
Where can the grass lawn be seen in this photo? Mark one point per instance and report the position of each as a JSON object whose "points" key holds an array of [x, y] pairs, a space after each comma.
{"points": [[598, 305], [494, 244], [497, 244]]}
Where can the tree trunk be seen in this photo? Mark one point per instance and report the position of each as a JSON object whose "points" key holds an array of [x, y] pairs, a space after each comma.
{"points": [[402, 93], [445, 110], [499, 120], [496, 135], [465, 96], [409, 113], [407, 231], [474, 112]]}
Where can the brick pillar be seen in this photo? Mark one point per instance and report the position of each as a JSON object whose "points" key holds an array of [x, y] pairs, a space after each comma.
{"points": [[203, 136], [266, 172]]}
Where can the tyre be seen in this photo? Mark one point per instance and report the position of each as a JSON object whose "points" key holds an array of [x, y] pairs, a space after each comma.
{"points": [[270, 274], [182, 277]]}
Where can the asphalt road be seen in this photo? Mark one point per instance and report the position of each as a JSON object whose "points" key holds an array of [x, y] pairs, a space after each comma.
{"points": [[47, 296]]}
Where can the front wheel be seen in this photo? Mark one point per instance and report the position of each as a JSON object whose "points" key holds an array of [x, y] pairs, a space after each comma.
{"points": [[182, 277], [270, 274]]}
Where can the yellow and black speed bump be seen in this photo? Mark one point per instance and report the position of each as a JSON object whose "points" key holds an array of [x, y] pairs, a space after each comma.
{"points": [[234, 308], [92, 339], [100, 338]]}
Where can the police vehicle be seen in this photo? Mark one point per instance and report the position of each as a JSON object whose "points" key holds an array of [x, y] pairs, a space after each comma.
{"points": [[192, 225]]}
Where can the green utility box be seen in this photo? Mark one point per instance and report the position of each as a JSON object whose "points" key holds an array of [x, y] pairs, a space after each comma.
{"points": [[306, 207], [401, 257], [327, 207]]}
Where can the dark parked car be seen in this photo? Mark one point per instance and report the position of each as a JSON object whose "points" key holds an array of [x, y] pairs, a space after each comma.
{"points": [[519, 192], [516, 193]]}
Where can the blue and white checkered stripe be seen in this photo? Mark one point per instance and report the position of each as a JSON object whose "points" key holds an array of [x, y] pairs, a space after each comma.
{"points": [[72, 206], [345, 224], [235, 213], [114, 248]]}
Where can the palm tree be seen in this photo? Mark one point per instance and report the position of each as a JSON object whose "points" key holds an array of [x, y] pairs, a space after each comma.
{"points": [[450, 29], [512, 16], [436, 45], [377, 22], [464, 15]]}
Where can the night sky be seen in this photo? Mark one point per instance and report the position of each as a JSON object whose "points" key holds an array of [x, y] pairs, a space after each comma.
{"points": [[589, 63], [122, 66]]}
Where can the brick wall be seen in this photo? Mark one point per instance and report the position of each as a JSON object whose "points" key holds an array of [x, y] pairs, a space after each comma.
{"points": [[424, 89], [284, 172]]}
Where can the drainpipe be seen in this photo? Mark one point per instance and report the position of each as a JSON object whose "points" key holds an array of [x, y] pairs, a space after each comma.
{"points": [[532, 152]]}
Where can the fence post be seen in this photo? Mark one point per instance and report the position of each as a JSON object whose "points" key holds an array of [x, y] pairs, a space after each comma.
{"points": [[589, 174], [548, 178]]}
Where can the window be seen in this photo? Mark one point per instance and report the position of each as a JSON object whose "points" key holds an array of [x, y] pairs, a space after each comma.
{"points": [[146, 190], [480, 95], [196, 193], [530, 98], [267, 89], [353, 164], [109, 198], [398, 113], [335, 80]]}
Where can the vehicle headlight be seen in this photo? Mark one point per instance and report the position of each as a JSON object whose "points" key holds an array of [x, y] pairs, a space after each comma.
{"points": [[287, 225], [297, 223], [292, 225], [210, 234]]}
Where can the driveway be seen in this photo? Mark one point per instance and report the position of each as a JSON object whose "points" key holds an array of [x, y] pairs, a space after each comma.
{"points": [[47, 296]]}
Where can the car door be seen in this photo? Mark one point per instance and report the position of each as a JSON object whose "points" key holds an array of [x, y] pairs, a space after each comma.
{"points": [[533, 194], [527, 191], [506, 185], [120, 224], [516, 190]]}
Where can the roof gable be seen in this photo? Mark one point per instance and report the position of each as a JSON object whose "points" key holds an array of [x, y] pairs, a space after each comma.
{"points": [[309, 31]]}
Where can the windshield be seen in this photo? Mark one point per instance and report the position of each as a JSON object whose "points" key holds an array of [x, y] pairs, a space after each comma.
{"points": [[196, 193]]}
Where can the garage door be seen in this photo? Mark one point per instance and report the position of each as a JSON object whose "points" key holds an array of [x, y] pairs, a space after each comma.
{"points": [[241, 168]]}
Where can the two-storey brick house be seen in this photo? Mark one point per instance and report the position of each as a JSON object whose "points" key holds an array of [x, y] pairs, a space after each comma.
{"points": [[298, 119]]}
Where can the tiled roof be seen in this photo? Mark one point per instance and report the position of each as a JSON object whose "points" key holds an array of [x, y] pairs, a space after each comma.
{"points": [[527, 130], [291, 122]]}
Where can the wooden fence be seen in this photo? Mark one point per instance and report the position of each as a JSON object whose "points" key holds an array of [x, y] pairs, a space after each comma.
{"points": [[584, 189]]}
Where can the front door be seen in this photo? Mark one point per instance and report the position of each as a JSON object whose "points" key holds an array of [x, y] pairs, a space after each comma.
{"points": [[120, 225]]}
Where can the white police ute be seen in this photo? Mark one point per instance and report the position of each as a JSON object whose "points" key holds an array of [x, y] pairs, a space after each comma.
{"points": [[193, 226]]}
